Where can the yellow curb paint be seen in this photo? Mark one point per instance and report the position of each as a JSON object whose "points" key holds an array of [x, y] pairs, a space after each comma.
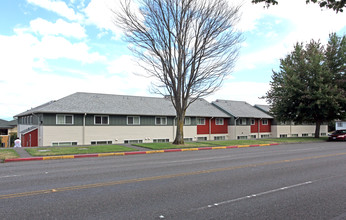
{"points": [[106, 154], [119, 154], [264, 145], [243, 146], [154, 151], [189, 149], [214, 148], [58, 157]]}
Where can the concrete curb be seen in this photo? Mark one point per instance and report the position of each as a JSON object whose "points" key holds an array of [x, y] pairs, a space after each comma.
{"points": [[130, 153]]}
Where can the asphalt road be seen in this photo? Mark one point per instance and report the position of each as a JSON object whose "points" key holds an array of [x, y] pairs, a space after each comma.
{"points": [[296, 181]]}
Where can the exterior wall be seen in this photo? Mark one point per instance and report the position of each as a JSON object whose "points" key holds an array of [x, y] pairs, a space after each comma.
{"points": [[262, 127], [30, 139], [291, 130], [214, 129], [116, 134], [340, 125], [239, 130]]}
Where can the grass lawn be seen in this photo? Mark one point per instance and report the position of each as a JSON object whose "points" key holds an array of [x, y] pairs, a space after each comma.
{"points": [[8, 154], [53, 151], [161, 146]]}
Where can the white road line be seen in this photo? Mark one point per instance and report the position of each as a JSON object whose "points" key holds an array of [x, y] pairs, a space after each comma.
{"points": [[8, 176], [253, 195]]}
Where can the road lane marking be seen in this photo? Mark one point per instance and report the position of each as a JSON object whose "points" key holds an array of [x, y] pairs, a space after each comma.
{"points": [[252, 196], [119, 182], [8, 176]]}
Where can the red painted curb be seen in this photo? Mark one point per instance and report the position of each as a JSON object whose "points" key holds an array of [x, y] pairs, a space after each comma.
{"points": [[228, 147], [23, 159]]}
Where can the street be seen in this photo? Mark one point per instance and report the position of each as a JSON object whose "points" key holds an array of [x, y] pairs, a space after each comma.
{"points": [[293, 181]]}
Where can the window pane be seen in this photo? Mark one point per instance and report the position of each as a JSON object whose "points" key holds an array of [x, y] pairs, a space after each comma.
{"points": [[130, 120], [136, 120], [60, 119], [97, 119], [68, 119], [105, 120], [158, 121]]}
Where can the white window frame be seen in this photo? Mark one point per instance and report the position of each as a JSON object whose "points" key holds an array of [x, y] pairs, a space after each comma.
{"points": [[64, 143], [219, 138], [199, 122], [187, 121], [266, 122], [253, 121], [165, 120], [102, 116], [100, 142], [133, 117], [219, 121], [64, 122]]}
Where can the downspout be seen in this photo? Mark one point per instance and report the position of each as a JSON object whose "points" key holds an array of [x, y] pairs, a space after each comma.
{"points": [[210, 127], [84, 128]]}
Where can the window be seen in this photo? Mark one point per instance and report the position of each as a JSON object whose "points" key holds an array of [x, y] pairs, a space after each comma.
{"points": [[305, 135], [160, 120], [323, 134], [187, 121], [242, 121], [242, 137], [133, 141], [64, 119], [133, 120], [283, 135], [202, 138], [219, 138], [160, 140], [66, 143], [265, 136], [101, 120], [294, 135], [253, 136], [264, 122], [100, 142], [253, 122], [200, 121], [219, 121], [188, 139]]}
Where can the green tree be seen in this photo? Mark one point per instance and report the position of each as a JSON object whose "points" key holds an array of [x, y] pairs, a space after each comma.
{"points": [[187, 46], [305, 90], [336, 5]]}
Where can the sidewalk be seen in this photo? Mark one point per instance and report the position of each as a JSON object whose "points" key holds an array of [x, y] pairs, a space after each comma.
{"points": [[22, 152]]}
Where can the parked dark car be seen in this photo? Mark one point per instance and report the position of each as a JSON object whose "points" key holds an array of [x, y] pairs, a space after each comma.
{"points": [[339, 135]]}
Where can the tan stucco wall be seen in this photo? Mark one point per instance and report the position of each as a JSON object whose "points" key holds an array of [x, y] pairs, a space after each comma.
{"points": [[116, 134], [297, 129], [239, 130]]}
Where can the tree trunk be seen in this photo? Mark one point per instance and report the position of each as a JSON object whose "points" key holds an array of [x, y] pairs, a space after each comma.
{"points": [[179, 137], [317, 130]]}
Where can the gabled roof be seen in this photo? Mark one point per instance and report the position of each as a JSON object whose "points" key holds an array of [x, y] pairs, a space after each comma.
{"points": [[93, 103], [240, 109], [264, 108], [7, 124]]}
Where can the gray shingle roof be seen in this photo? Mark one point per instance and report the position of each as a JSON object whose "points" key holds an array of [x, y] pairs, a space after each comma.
{"points": [[240, 109], [7, 124], [264, 108], [93, 103]]}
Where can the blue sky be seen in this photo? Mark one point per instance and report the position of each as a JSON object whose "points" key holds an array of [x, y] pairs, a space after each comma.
{"points": [[53, 48]]}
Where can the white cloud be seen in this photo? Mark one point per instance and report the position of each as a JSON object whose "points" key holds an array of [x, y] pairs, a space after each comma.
{"points": [[99, 13], [60, 27], [58, 7], [242, 91]]}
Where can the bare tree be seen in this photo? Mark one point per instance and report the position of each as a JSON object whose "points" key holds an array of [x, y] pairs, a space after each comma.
{"points": [[189, 46]]}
